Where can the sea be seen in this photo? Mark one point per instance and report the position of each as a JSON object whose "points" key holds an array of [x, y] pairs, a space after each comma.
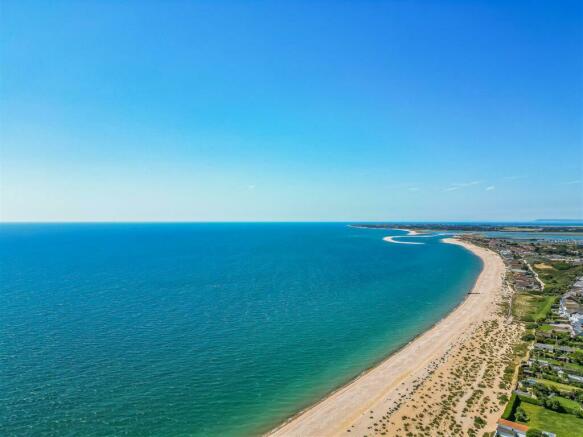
{"points": [[193, 329]]}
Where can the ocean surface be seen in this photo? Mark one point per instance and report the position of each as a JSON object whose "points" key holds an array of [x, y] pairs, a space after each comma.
{"points": [[203, 329]]}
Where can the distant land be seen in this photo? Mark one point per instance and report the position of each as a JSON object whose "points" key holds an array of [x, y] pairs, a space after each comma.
{"points": [[560, 220], [473, 227]]}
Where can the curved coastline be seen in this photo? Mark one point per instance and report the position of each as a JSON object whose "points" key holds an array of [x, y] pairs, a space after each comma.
{"points": [[392, 240], [350, 404], [410, 234]]}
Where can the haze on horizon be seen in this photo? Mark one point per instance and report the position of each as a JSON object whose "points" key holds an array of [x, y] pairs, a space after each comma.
{"points": [[243, 111]]}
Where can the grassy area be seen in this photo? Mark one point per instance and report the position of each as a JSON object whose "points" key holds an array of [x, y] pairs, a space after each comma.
{"points": [[542, 266], [532, 307], [563, 425], [560, 278], [568, 366], [558, 385], [568, 403]]}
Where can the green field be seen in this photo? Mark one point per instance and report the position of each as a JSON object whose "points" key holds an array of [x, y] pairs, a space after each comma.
{"points": [[558, 385], [563, 425], [569, 366], [568, 403], [531, 307], [560, 277]]}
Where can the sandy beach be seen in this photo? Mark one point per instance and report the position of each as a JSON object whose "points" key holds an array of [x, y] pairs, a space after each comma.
{"points": [[410, 233], [392, 240], [433, 385]]}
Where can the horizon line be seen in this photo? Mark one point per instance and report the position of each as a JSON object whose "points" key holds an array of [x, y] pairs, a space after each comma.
{"points": [[278, 221]]}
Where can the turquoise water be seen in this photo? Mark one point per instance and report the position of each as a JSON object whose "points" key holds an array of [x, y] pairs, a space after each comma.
{"points": [[203, 329]]}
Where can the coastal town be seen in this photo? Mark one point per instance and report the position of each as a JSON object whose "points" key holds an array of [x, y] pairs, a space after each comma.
{"points": [[547, 279]]}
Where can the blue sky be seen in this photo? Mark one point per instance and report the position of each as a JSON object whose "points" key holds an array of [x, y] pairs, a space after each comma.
{"points": [[365, 110]]}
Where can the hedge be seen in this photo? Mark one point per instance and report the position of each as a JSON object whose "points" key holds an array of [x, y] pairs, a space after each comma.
{"points": [[510, 407], [530, 400]]}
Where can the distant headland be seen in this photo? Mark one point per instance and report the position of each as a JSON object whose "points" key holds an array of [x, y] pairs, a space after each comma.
{"points": [[473, 227]]}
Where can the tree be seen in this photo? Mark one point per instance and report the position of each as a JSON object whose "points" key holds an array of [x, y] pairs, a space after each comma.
{"points": [[554, 404], [521, 415], [577, 356]]}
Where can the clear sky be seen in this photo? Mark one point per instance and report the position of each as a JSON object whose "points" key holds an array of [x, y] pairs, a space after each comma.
{"points": [[315, 110]]}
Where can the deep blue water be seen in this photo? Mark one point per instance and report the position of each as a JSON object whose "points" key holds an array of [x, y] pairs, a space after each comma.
{"points": [[203, 329]]}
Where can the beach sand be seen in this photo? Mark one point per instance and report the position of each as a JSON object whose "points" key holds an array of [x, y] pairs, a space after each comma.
{"points": [[392, 240], [410, 233], [437, 384]]}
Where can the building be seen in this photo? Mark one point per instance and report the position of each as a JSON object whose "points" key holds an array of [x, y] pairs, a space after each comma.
{"points": [[571, 307], [575, 378], [551, 348], [506, 428], [577, 323]]}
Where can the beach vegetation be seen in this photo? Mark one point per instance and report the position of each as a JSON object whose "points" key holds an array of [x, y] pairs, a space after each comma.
{"points": [[479, 422]]}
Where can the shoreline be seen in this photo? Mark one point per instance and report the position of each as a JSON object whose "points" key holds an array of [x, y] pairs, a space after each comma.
{"points": [[347, 407], [410, 233]]}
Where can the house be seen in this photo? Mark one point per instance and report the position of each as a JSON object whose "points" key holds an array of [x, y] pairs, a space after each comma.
{"points": [[561, 327], [506, 428], [577, 323], [550, 347], [575, 378]]}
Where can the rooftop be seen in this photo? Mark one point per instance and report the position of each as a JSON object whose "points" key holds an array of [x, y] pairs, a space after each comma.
{"points": [[513, 425]]}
